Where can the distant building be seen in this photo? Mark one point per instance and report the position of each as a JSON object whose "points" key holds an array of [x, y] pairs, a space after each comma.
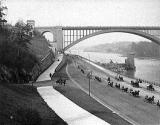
{"points": [[31, 23]]}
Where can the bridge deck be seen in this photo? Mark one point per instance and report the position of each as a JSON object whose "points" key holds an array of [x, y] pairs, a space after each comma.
{"points": [[102, 27]]}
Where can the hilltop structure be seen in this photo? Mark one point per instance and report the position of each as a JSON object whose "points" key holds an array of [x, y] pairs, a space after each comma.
{"points": [[31, 23]]}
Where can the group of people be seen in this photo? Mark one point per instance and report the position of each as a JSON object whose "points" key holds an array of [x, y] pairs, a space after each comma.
{"points": [[123, 88], [59, 80], [135, 93], [119, 78]]}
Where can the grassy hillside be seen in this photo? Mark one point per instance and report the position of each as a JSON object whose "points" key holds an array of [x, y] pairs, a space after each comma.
{"points": [[18, 102], [39, 46]]}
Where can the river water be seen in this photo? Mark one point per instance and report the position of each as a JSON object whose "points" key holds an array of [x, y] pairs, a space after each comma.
{"points": [[147, 69]]}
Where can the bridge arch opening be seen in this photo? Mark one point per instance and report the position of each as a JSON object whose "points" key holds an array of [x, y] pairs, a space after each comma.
{"points": [[113, 37], [49, 36], [129, 40], [145, 36]]}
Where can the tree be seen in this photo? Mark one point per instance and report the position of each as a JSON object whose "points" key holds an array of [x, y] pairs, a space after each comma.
{"points": [[15, 53], [21, 34], [2, 14]]}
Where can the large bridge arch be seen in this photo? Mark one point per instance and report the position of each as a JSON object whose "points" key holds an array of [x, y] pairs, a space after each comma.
{"points": [[130, 31]]}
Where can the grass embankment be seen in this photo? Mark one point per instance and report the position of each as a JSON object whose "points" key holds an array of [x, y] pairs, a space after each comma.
{"points": [[16, 100], [21, 104], [39, 46], [75, 94]]}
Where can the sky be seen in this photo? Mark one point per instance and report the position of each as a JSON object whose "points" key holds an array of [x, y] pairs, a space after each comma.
{"points": [[87, 13]]}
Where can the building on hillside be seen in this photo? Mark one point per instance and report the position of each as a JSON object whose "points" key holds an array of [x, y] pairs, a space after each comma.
{"points": [[32, 24]]}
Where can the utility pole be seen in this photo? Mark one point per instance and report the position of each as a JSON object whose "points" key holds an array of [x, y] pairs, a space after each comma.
{"points": [[89, 75]]}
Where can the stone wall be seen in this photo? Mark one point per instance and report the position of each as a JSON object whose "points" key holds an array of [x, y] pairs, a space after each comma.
{"points": [[62, 63], [44, 64]]}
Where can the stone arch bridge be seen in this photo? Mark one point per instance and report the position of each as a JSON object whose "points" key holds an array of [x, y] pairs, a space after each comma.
{"points": [[66, 37]]}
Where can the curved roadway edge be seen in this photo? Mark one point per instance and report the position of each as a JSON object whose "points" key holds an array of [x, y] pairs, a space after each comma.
{"points": [[64, 108], [101, 102]]}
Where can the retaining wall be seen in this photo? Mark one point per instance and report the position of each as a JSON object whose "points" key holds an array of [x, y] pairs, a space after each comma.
{"points": [[44, 64], [62, 63]]}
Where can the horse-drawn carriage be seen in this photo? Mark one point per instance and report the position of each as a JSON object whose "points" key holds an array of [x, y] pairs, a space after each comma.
{"points": [[98, 79], [158, 103], [61, 81], [149, 99], [110, 84], [125, 89], [108, 79], [82, 71], [135, 84], [134, 93], [117, 86], [150, 87], [119, 78]]}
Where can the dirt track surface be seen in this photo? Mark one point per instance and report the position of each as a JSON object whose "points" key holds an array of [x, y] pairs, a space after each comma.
{"points": [[75, 94], [135, 109]]}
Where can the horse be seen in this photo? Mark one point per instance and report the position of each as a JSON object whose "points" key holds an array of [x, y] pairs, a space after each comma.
{"points": [[124, 89], [61, 81], [149, 99], [134, 93], [120, 78], [150, 87], [82, 71], [158, 104], [135, 84], [117, 86], [108, 79], [110, 84], [98, 79]]}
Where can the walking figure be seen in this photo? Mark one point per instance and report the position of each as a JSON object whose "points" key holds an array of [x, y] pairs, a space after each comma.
{"points": [[50, 75]]}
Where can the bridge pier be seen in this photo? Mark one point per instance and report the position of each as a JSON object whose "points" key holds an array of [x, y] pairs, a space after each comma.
{"points": [[58, 38]]}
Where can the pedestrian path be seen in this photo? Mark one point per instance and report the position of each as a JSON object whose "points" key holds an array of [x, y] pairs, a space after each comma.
{"points": [[64, 108], [45, 75], [67, 110]]}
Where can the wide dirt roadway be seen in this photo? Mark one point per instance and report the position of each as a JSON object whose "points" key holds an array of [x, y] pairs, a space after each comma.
{"points": [[133, 109]]}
